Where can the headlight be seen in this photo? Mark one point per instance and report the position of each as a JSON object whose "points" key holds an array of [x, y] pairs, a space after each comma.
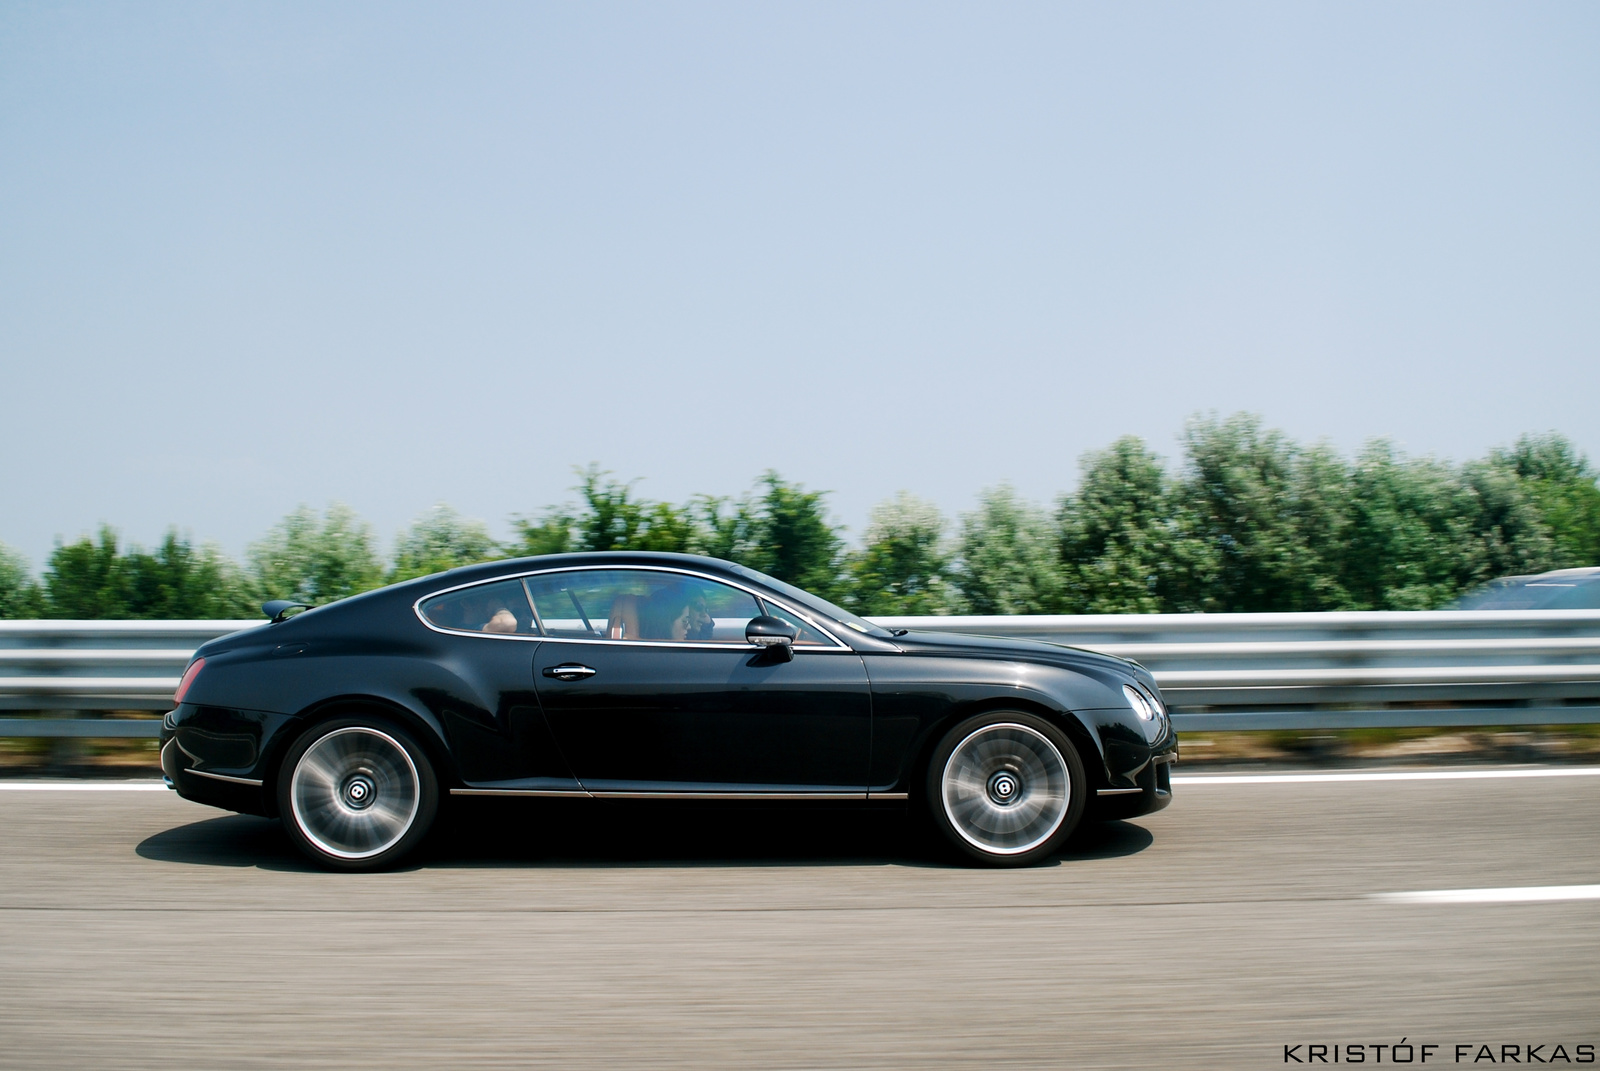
{"points": [[1141, 706]]}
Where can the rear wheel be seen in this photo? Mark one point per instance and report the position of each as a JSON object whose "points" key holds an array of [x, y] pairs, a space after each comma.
{"points": [[357, 793], [1006, 788]]}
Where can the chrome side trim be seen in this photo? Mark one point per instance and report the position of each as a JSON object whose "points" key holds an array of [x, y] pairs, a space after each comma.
{"points": [[1117, 791], [730, 795], [888, 795], [570, 792], [254, 782], [416, 608], [1171, 756], [745, 647]]}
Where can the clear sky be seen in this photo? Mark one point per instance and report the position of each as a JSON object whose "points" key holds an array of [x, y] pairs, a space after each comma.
{"points": [[253, 255]]}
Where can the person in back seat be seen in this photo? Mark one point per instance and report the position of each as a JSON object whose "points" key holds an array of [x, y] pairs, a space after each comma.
{"points": [[487, 611], [501, 620]]}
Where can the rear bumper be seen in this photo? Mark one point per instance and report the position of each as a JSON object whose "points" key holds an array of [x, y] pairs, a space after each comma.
{"points": [[212, 755]]}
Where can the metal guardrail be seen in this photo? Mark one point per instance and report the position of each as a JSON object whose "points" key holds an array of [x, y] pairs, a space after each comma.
{"points": [[1217, 671], [93, 679], [1341, 670]]}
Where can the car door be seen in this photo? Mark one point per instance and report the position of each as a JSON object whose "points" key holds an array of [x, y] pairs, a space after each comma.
{"points": [[649, 687], [487, 706]]}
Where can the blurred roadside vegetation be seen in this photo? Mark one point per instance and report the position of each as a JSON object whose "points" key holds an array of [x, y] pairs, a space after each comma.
{"points": [[1349, 748], [1248, 520], [1543, 744]]}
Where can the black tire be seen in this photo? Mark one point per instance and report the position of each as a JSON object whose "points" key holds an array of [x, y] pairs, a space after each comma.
{"points": [[1005, 788], [357, 793]]}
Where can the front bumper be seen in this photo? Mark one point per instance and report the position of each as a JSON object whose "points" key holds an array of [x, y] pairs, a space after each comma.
{"points": [[1147, 790]]}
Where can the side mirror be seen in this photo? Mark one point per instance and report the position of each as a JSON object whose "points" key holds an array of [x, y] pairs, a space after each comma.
{"points": [[773, 635]]}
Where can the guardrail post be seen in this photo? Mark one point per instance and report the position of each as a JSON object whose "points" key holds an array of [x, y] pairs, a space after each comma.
{"points": [[69, 751]]}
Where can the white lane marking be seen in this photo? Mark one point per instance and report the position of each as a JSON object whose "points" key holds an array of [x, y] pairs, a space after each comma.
{"points": [[1513, 895], [1408, 775], [82, 786]]}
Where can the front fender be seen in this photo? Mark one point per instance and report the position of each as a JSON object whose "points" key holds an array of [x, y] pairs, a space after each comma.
{"points": [[915, 700]]}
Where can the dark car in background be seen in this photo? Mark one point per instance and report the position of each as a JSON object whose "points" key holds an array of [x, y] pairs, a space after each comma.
{"points": [[1560, 589], [652, 676]]}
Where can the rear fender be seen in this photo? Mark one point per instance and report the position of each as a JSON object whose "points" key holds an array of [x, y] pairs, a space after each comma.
{"points": [[420, 722]]}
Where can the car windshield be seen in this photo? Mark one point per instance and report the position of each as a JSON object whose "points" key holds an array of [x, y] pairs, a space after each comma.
{"points": [[820, 606]]}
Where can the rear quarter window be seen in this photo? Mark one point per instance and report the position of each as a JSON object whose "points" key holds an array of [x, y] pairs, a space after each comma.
{"points": [[500, 608]]}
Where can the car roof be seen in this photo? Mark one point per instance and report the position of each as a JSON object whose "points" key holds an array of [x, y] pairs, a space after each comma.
{"points": [[1557, 589], [468, 574]]}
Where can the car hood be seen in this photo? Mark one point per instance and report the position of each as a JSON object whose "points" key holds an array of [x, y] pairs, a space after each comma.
{"points": [[961, 645]]}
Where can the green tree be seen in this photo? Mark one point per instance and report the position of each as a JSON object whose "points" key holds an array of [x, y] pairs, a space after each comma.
{"points": [[725, 528], [609, 517], [792, 538], [904, 566], [182, 582], [1323, 493], [549, 533], [612, 519], [1409, 541], [1264, 511], [317, 559], [1253, 522], [440, 539], [1562, 485], [1009, 559], [1509, 535], [20, 597], [1119, 546], [94, 579], [88, 579]]}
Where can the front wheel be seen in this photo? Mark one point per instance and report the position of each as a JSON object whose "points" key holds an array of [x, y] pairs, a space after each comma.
{"points": [[357, 793], [1006, 788]]}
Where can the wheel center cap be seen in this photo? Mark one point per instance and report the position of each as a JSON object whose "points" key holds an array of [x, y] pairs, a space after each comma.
{"points": [[359, 792], [1004, 787]]}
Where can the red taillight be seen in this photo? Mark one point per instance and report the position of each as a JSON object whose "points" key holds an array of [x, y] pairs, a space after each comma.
{"points": [[188, 678]]}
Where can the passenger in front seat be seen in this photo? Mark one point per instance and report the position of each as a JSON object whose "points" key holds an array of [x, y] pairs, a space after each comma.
{"points": [[667, 614]]}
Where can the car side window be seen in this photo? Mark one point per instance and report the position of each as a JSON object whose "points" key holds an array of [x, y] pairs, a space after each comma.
{"points": [[640, 604], [808, 636], [500, 607]]}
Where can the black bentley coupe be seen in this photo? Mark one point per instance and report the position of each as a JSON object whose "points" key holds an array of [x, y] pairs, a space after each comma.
{"points": [[652, 676]]}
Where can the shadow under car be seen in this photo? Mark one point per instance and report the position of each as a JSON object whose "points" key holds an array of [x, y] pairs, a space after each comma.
{"points": [[505, 833]]}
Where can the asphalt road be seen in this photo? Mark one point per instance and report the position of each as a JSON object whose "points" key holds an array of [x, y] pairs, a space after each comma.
{"points": [[138, 930]]}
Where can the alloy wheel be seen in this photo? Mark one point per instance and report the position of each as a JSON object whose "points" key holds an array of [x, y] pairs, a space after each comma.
{"points": [[1005, 788], [355, 792]]}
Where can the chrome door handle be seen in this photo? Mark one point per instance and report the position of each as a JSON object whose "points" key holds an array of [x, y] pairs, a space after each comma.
{"points": [[569, 671]]}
